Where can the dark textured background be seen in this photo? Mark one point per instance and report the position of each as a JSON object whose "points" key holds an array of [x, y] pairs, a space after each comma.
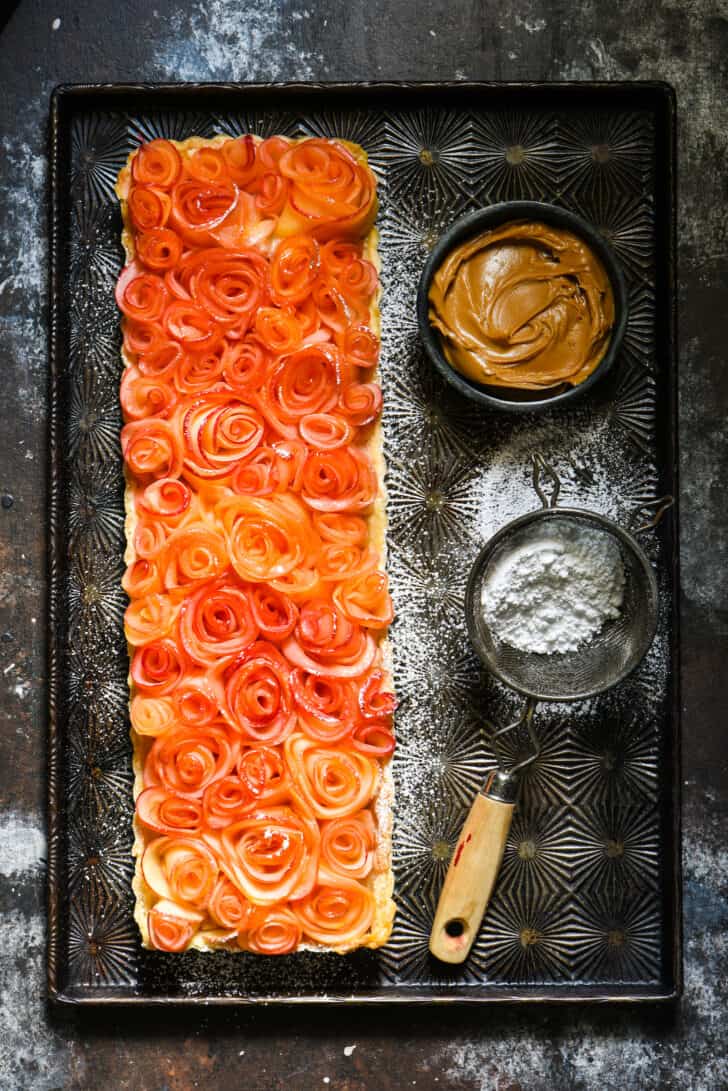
{"points": [[683, 41]]}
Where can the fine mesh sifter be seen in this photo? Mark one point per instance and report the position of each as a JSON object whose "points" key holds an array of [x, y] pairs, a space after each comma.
{"points": [[605, 660]]}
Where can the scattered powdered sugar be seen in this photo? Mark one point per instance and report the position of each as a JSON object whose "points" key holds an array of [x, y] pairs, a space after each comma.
{"points": [[22, 844], [554, 592], [224, 40]]}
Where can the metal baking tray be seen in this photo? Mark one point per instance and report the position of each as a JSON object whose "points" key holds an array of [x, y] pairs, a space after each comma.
{"points": [[588, 903]]}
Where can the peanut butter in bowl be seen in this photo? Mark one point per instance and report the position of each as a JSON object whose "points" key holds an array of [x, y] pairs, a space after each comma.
{"points": [[525, 305]]}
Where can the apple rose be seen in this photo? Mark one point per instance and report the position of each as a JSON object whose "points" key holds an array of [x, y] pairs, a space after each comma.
{"points": [[192, 553], [186, 760], [274, 931], [331, 782], [258, 698], [157, 668], [172, 927], [218, 431], [216, 623], [228, 907], [348, 845], [331, 192], [270, 855], [182, 869], [267, 537], [156, 163], [164, 812], [151, 449], [152, 715], [338, 913]]}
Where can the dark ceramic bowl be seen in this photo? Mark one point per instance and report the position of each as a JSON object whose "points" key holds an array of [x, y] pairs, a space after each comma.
{"points": [[484, 219]]}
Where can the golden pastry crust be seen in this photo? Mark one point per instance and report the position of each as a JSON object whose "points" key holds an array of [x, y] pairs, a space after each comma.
{"points": [[381, 879]]}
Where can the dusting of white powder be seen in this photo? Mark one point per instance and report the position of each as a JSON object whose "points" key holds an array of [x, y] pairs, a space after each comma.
{"points": [[554, 593]]}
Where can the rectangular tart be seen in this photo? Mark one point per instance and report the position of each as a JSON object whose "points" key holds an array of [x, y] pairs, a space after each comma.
{"points": [[260, 676]]}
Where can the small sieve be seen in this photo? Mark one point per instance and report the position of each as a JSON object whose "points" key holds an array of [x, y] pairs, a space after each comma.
{"points": [[611, 654]]}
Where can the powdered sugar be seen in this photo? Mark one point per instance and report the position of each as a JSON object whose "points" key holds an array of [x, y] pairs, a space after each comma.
{"points": [[555, 592]]}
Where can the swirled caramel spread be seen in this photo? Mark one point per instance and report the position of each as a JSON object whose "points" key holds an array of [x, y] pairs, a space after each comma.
{"points": [[525, 305]]}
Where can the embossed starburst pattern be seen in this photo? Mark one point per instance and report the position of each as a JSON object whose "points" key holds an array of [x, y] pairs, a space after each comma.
{"points": [[613, 754], [550, 776], [95, 595], [539, 854], [627, 224], [423, 852], [451, 676], [94, 254], [99, 149], [94, 421], [634, 406], [440, 765], [262, 123], [100, 863], [400, 336], [617, 937], [517, 157], [580, 894], [102, 945], [168, 125], [640, 494], [461, 757], [428, 152], [421, 586], [606, 152], [94, 337], [638, 345], [100, 775], [411, 227], [96, 508], [97, 681], [426, 416], [359, 126], [431, 502], [617, 846], [406, 956], [525, 938]]}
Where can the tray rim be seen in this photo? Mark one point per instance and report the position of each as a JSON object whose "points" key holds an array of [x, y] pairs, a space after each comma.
{"points": [[665, 196]]}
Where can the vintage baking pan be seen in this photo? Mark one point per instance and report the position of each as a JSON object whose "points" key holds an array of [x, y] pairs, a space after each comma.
{"points": [[588, 902]]}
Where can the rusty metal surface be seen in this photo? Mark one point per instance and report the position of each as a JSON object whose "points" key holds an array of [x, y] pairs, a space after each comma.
{"points": [[594, 1049]]}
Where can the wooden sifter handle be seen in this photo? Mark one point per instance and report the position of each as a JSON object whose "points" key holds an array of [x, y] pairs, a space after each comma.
{"points": [[473, 869]]}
